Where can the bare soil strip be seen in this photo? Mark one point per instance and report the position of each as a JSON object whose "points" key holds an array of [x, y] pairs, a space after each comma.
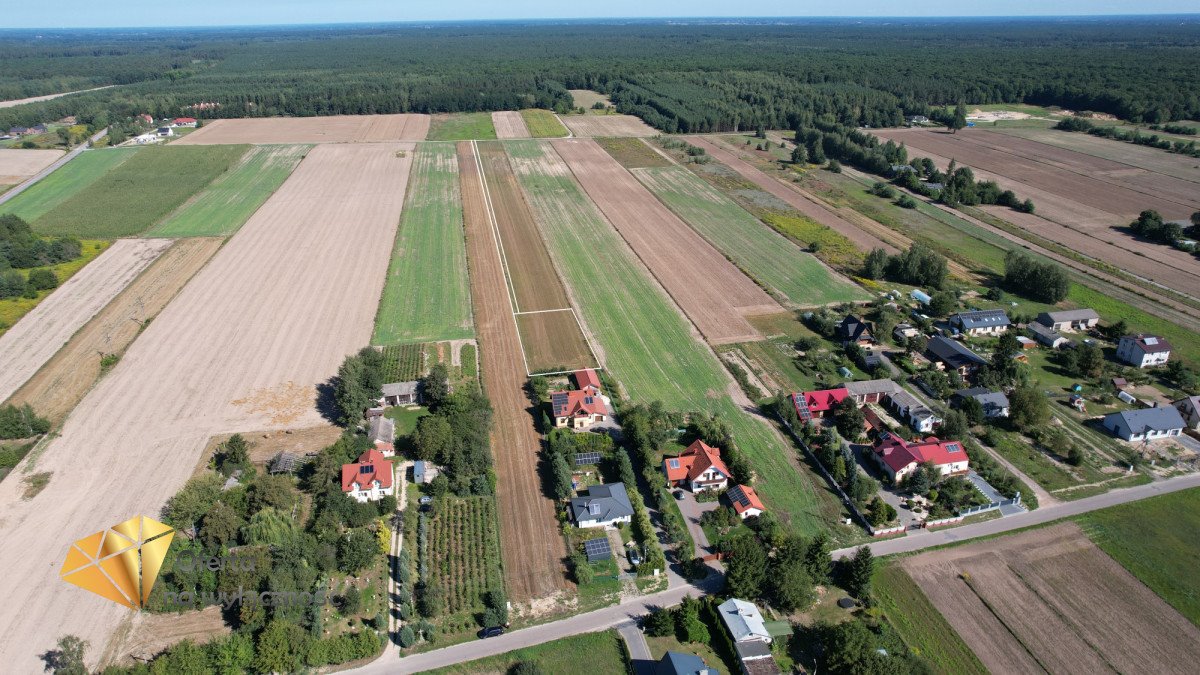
{"points": [[532, 548], [60, 384], [593, 126], [553, 342], [334, 129], [509, 124], [714, 294], [17, 164], [29, 344], [1049, 600], [243, 346]]}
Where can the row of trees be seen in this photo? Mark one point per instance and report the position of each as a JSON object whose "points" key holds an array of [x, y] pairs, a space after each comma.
{"points": [[1135, 136], [20, 248], [1036, 279], [918, 265]]}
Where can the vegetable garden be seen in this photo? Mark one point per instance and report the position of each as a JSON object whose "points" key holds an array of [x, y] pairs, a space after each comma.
{"points": [[402, 363], [464, 552]]}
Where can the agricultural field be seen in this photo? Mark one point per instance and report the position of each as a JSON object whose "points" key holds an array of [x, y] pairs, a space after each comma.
{"points": [[920, 625], [426, 297], [329, 129], [461, 127], [403, 363], [633, 153], [222, 207], [132, 197], [1150, 159], [543, 123], [713, 293], [464, 552], [62, 382], [596, 126], [509, 124], [586, 98], [647, 345], [17, 164], [604, 652], [65, 181], [31, 342], [765, 255], [1049, 599], [554, 342], [243, 345]]}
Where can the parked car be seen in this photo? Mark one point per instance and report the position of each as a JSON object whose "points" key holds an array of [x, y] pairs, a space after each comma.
{"points": [[679, 495], [425, 500], [635, 558], [494, 631]]}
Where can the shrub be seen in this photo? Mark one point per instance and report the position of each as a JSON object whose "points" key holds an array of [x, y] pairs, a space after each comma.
{"points": [[42, 279]]}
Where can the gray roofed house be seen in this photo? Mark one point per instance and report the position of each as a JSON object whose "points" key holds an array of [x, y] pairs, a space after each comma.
{"points": [[751, 640], [995, 403], [1047, 336], [981, 321], [1146, 424], [1069, 321], [604, 505], [1189, 409], [854, 330], [401, 393], [953, 355], [676, 663], [1143, 350], [382, 432]]}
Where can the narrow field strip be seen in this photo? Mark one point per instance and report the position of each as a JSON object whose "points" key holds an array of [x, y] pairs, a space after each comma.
{"points": [[476, 126], [229, 201], [553, 342], [543, 124], [65, 181], [326, 129], [426, 297], [509, 124]]}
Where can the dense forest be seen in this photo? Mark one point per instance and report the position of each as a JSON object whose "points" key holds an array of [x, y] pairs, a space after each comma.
{"points": [[682, 76]]}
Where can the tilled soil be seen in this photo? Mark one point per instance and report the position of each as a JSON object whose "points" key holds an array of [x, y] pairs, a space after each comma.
{"points": [[333, 129], [593, 126], [17, 164], [509, 124]]}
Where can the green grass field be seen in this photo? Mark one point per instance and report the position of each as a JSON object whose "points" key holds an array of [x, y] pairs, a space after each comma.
{"points": [[12, 309], [461, 127], [1158, 541], [920, 625], [595, 653], [226, 204], [135, 195], [543, 123], [68, 179], [769, 258], [648, 346], [426, 298]]}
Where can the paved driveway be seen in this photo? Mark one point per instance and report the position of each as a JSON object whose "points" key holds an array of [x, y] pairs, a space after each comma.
{"points": [[692, 510], [991, 495]]}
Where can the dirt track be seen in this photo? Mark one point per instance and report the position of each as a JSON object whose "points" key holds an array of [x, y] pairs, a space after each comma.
{"points": [[60, 384], [276, 310], [39, 334], [1050, 600], [509, 124], [714, 294], [18, 164], [531, 546], [593, 126], [335, 129]]}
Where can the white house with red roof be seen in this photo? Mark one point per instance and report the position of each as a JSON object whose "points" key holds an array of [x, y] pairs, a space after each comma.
{"points": [[583, 407], [698, 468], [899, 457], [745, 501], [184, 122], [812, 405], [369, 479]]}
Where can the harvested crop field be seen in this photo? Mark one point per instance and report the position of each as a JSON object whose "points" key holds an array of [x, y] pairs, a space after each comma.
{"points": [[509, 124], [65, 181], [18, 164], [592, 126], [461, 127], [39, 334], [333, 129], [714, 294], [553, 342], [1049, 600], [243, 346], [426, 297], [1150, 159], [532, 548], [64, 380]]}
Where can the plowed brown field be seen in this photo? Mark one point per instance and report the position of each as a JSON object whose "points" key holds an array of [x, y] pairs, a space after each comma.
{"points": [[66, 378], [714, 294], [43, 331], [335, 129], [532, 548], [593, 126], [275, 311], [509, 124], [1049, 600], [553, 342], [17, 164]]}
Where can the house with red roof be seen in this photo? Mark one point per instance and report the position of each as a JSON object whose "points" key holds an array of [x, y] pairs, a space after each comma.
{"points": [[184, 122], [577, 409], [369, 479], [698, 468], [745, 501], [812, 405], [587, 380], [898, 457]]}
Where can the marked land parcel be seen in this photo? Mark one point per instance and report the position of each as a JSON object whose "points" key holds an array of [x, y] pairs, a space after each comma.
{"points": [[334, 129]]}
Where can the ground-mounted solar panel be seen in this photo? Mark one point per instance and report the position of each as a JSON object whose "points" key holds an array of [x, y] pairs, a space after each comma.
{"points": [[585, 458], [597, 549]]}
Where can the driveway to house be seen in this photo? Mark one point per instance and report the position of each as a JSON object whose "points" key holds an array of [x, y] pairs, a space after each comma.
{"points": [[639, 651], [692, 510], [991, 495]]}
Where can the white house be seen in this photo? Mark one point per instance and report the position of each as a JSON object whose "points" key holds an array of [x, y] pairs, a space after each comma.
{"points": [[745, 501], [369, 479], [1143, 351], [1189, 409], [698, 468], [898, 457], [981, 322], [751, 640], [1146, 424], [603, 506], [1069, 321]]}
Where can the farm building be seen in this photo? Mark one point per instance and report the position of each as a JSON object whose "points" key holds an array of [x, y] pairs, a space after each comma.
{"points": [[165, 132], [921, 297], [750, 638], [917, 414], [981, 322], [1047, 336], [698, 468], [904, 331], [1189, 410], [995, 403], [424, 472], [1143, 351], [1069, 321], [369, 479], [898, 457], [603, 506], [853, 330], [381, 431], [745, 501], [677, 663], [1147, 424], [953, 355], [587, 380], [401, 393], [812, 405]]}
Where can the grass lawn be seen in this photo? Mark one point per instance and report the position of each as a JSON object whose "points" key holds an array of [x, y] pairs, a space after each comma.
{"points": [[226, 204], [659, 646], [543, 123], [12, 309], [1033, 463], [68, 179], [924, 630], [406, 418], [647, 344], [426, 296], [132, 197], [767, 257], [461, 127], [600, 653], [1158, 541]]}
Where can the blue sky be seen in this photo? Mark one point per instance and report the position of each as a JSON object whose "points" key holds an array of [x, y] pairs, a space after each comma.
{"points": [[105, 13]]}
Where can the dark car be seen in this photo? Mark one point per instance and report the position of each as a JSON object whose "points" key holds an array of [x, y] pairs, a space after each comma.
{"points": [[679, 495], [494, 631]]}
